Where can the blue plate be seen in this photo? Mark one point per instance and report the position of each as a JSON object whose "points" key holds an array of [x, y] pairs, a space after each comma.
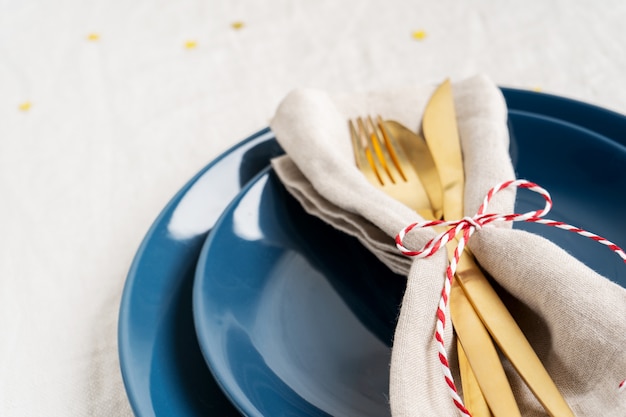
{"points": [[295, 318], [162, 365]]}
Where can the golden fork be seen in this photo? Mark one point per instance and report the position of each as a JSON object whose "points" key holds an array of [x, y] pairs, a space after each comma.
{"points": [[379, 157], [382, 160]]}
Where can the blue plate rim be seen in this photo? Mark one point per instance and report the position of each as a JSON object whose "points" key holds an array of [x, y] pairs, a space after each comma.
{"points": [[125, 309]]}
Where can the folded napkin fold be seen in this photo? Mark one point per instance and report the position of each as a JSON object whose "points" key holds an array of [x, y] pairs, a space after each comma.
{"points": [[574, 318]]}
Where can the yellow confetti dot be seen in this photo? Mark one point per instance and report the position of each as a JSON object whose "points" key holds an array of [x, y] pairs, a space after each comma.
{"points": [[537, 89], [25, 106], [191, 44], [237, 25], [93, 37], [419, 35]]}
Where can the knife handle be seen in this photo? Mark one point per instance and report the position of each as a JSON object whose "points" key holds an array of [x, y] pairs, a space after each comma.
{"points": [[485, 384], [485, 365], [508, 336]]}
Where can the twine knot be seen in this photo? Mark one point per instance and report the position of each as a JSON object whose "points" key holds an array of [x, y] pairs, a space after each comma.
{"points": [[468, 225]]}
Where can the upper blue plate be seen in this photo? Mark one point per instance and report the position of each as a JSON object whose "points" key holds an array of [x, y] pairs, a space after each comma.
{"points": [[296, 318], [163, 369]]}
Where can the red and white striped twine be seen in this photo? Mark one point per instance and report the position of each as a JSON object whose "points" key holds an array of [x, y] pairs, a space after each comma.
{"points": [[466, 227]]}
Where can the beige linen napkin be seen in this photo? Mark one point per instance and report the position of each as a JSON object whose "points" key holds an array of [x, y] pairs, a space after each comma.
{"points": [[575, 319]]}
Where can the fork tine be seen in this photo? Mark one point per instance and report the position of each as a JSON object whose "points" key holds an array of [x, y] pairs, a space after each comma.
{"points": [[370, 150], [357, 148], [396, 152], [362, 154], [380, 150]]}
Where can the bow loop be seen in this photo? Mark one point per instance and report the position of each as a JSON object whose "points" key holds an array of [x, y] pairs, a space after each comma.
{"points": [[468, 225]]}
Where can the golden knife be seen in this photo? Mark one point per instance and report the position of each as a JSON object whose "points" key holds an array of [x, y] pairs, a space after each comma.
{"points": [[441, 134]]}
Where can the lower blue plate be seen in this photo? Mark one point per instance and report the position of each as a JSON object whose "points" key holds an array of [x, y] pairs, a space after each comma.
{"points": [[162, 365]]}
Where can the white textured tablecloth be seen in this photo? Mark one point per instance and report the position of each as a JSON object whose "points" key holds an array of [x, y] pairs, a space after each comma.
{"points": [[107, 108]]}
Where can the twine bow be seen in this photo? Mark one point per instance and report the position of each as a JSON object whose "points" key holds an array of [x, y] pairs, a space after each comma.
{"points": [[468, 225], [465, 227]]}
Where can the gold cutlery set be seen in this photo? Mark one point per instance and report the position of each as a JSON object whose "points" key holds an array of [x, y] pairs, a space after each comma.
{"points": [[426, 173]]}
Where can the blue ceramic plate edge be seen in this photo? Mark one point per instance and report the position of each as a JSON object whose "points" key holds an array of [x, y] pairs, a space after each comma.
{"points": [[597, 136], [198, 300], [513, 90], [124, 309], [561, 106]]}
